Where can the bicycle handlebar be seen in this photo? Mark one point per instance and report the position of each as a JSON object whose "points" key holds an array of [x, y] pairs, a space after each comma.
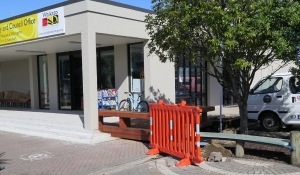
{"points": [[130, 93]]}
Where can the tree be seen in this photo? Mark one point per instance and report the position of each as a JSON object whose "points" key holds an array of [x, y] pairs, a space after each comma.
{"points": [[244, 35], [296, 69]]}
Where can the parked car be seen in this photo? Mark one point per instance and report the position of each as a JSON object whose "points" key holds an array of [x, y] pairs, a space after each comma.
{"points": [[275, 102]]}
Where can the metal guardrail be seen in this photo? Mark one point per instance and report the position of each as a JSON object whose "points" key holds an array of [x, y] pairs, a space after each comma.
{"points": [[285, 143]]}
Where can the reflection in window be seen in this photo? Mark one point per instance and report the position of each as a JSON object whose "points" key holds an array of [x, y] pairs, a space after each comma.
{"points": [[294, 85], [190, 81], [136, 53], [106, 68], [43, 82], [64, 81]]}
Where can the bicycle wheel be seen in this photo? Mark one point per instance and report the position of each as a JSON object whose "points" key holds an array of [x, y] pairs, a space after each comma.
{"points": [[125, 105], [142, 107]]}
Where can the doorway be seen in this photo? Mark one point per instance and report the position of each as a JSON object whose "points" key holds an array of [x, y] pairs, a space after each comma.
{"points": [[70, 83], [70, 80]]}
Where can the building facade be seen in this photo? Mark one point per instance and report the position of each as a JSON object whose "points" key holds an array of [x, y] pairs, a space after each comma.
{"points": [[57, 58], [62, 55]]}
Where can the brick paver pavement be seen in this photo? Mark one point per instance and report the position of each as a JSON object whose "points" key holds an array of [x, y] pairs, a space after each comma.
{"points": [[29, 155]]}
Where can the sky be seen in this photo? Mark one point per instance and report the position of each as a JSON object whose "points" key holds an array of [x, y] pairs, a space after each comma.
{"points": [[16, 7]]}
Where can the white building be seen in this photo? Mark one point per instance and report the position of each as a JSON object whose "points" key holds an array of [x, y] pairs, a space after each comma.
{"points": [[62, 54], [46, 51]]}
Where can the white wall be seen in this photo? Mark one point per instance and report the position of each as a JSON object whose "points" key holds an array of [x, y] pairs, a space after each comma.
{"points": [[159, 78], [15, 76], [121, 70], [213, 91], [267, 70], [105, 19], [52, 73], [33, 78]]}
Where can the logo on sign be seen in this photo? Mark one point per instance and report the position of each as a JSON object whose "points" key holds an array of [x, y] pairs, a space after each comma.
{"points": [[293, 117], [50, 18]]}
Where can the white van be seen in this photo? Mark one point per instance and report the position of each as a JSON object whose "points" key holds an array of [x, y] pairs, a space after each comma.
{"points": [[275, 102]]}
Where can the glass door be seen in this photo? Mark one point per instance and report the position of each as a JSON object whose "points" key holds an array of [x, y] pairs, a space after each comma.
{"points": [[76, 80], [64, 81]]}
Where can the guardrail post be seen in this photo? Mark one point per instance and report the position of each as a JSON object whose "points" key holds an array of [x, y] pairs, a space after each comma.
{"points": [[239, 149], [295, 142]]}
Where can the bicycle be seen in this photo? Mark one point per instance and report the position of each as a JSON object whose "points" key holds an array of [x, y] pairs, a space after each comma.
{"points": [[130, 104]]}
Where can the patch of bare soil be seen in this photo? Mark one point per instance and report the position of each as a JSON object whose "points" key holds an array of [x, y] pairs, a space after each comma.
{"points": [[252, 150]]}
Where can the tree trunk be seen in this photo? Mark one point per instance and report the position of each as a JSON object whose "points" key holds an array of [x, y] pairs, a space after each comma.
{"points": [[243, 118]]}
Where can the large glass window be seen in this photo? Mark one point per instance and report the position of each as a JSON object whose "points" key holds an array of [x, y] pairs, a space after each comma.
{"points": [[106, 68], [43, 82], [64, 81], [190, 81], [136, 61]]}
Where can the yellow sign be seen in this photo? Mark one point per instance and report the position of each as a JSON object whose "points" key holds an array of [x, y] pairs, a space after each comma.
{"points": [[47, 23], [21, 29]]}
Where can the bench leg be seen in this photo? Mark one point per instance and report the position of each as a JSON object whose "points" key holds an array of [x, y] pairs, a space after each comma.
{"points": [[124, 122], [239, 149], [295, 141]]}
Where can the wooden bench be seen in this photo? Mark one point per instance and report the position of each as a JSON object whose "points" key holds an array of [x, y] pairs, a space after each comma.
{"points": [[124, 129], [293, 144], [204, 122]]}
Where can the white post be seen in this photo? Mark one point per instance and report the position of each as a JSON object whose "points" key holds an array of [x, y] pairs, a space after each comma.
{"points": [[33, 78], [295, 142], [89, 75]]}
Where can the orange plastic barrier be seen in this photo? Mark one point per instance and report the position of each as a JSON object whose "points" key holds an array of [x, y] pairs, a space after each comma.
{"points": [[175, 130]]}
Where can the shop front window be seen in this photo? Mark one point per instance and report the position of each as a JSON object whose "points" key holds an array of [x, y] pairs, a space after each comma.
{"points": [[43, 82], [190, 81], [106, 68], [64, 82], [136, 66]]}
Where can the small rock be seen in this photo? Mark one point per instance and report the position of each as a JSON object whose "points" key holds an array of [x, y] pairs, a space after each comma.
{"points": [[1, 167], [206, 150], [224, 159], [215, 157]]}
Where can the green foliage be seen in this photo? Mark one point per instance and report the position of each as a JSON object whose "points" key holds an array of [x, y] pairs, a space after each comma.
{"points": [[232, 26], [245, 35]]}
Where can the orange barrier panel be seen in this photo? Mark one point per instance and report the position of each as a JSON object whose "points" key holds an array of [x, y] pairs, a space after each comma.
{"points": [[175, 130]]}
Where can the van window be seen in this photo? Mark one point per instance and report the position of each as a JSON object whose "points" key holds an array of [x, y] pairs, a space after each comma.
{"points": [[294, 85], [269, 85]]}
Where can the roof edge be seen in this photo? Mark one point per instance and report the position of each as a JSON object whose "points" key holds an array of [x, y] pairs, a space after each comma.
{"points": [[125, 6], [75, 1]]}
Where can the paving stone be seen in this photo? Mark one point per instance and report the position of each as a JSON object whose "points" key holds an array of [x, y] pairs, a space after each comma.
{"points": [[28, 155]]}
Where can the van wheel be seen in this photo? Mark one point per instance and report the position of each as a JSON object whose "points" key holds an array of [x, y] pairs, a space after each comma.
{"points": [[270, 122]]}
